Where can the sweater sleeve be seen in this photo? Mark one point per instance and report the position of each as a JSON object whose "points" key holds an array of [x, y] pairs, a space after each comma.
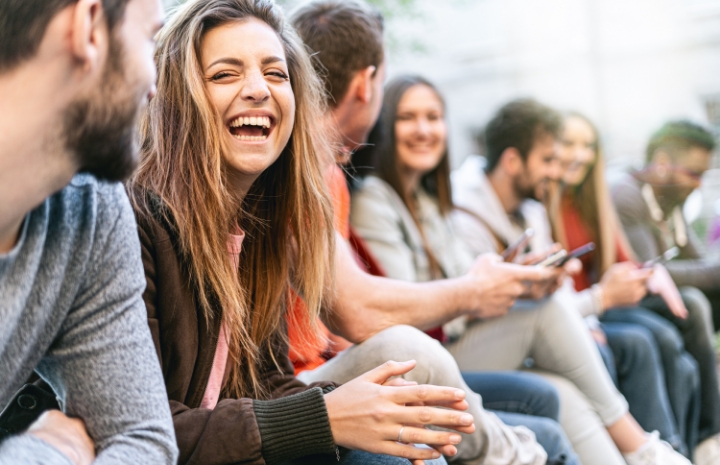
{"points": [[101, 364], [690, 269], [635, 219], [292, 424], [29, 450], [373, 217]]}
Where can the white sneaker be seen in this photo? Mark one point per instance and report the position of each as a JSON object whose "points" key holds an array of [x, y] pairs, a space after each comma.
{"points": [[656, 452], [708, 451]]}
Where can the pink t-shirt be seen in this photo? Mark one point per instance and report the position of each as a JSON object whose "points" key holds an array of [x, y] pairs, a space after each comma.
{"points": [[214, 385]]}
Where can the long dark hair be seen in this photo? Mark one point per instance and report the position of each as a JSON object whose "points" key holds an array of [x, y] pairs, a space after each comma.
{"points": [[382, 158]]}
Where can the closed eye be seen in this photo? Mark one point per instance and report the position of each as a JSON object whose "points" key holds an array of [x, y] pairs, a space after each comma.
{"points": [[220, 75], [279, 74]]}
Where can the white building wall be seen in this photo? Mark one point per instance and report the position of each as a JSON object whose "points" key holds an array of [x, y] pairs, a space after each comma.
{"points": [[628, 64]]}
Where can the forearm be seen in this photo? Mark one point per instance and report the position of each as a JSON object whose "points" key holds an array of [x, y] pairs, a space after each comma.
{"points": [[700, 273], [252, 431], [372, 304]]}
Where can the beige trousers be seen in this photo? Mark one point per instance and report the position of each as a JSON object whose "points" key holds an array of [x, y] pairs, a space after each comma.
{"points": [[555, 337]]}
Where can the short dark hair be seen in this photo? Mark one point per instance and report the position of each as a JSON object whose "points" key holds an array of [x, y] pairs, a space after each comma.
{"points": [[517, 124], [23, 24], [344, 37], [676, 137]]}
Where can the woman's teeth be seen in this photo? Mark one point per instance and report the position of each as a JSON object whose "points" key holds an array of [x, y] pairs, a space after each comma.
{"points": [[262, 121], [249, 138]]}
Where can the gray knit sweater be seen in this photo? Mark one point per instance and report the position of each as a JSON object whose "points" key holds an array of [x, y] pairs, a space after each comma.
{"points": [[71, 307]]}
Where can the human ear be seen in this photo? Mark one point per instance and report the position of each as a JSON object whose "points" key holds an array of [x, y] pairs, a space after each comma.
{"points": [[511, 160], [89, 35], [365, 84], [662, 162]]}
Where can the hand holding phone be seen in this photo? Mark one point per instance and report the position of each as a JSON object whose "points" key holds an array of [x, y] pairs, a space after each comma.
{"points": [[553, 259], [513, 249], [577, 253], [668, 255]]}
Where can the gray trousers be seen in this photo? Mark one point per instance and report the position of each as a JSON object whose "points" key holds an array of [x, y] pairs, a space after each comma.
{"points": [[492, 443], [554, 336]]}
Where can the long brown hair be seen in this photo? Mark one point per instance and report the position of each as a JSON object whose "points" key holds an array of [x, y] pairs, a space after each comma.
{"points": [[591, 199], [385, 162], [286, 214]]}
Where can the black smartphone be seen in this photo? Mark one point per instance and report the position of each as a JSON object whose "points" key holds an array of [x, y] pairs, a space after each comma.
{"points": [[520, 242], [579, 252], [669, 254], [27, 405]]}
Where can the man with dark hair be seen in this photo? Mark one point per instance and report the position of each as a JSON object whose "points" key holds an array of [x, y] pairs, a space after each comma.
{"points": [[515, 131], [347, 42], [381, 315], [73, 76], [649, 204], [497, 202]]}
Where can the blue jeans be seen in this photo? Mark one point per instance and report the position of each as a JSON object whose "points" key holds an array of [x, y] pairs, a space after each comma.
{"points": [[525, 399], [633, 361], [682, 377]]}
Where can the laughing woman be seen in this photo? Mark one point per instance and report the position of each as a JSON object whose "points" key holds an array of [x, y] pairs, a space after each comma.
{"points": [[234, 220]]}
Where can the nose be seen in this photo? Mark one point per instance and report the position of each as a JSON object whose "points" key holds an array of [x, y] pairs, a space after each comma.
{"points": [[422, 127], [255, 88], [151, 93]]}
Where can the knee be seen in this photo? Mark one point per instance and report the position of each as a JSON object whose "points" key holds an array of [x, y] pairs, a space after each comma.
{"points": [[668, 338], [641, 340], [546, 393], [402, 343], [699, 308]]}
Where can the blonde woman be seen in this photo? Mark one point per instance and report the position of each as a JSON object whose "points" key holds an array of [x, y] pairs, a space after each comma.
{"points": [[234, 222], [581, 210]]}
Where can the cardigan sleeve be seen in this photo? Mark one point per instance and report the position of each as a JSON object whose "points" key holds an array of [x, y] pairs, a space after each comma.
{"points": [[377, 220], [292, 423]]}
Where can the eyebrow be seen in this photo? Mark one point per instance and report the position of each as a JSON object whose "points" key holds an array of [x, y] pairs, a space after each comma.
{"points": [[236, 62]]}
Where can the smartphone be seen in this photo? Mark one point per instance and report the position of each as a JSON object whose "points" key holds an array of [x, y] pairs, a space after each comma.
{"points": [[27, 405], [669, 254], [579, 252], [521, 242], [553, 259]]}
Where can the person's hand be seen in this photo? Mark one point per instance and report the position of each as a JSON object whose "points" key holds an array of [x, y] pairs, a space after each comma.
{"points": [[495, 285], [599, 336], [404, 382], [369, 412], [624, 284], [68, 435], [662, 284]]}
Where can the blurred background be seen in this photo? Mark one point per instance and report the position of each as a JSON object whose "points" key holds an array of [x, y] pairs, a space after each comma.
{"points": [[629, 65]]}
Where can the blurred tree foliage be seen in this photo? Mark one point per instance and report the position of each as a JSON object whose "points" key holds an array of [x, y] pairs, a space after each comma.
{"points": [[391, 10]]}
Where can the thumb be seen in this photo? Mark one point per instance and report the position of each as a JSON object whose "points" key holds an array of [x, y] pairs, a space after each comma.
{"points": [[387, 370], [530, 273]]}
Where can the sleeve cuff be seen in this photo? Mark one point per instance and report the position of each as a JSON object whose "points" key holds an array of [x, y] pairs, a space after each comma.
{"points": [[294, 426], [30, 450]]}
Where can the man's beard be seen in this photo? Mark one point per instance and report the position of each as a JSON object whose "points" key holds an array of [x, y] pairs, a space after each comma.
{"points": [[100, 130], [524, 191]]}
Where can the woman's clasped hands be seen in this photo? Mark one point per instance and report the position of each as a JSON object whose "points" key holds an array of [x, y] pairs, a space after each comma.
{"points": [[382, 414]]}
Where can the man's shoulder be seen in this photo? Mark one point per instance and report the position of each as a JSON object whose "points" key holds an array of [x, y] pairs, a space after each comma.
{"points": [[85, 197], [628, 199], [87, 212]]}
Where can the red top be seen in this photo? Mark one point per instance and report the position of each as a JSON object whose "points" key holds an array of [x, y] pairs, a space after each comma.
{"points": [[577, 234]]}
